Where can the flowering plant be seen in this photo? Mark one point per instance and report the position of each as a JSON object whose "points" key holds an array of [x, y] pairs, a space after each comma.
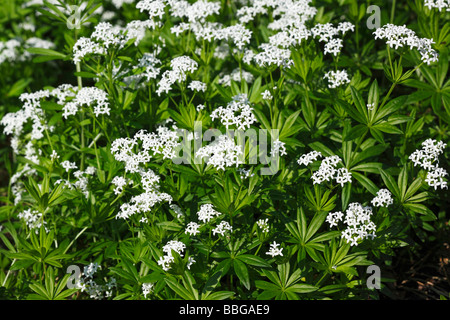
{"points": [[250, 149]]}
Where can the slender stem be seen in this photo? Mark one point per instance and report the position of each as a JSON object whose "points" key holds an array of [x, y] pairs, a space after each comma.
{"points": [[392, 11]]}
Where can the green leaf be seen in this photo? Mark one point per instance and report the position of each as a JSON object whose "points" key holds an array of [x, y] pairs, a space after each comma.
{"points": [[220, 295], [46, 52], [179, 289], [302, 288], [253, 260], [366, 182], [242, 273], [390, 183], [392, 106], [359, 104]]}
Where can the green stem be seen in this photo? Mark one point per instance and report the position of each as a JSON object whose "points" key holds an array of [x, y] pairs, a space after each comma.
{"points": [[392, 11]]}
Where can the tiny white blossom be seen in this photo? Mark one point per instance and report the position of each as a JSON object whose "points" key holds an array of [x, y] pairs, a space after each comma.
{"points": [[274, 250]]}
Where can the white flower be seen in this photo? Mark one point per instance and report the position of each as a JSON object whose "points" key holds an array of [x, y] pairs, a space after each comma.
{"points": [[207, 212], [167, 259], [67, 165], [177, 210], [238, 112], [435, 178], [343, 176], [309, 158], [222, 227], [190, 262], [278, 148], [334, 217], [370, 106], [273, 55], [327, 170], [383, 198], [33, 219], [336, 78], [197, 86], [267, 95], [427, 158], [181, 66], [192, 228], [147, 288], [235, 75], [200, 107], [263, 224], [91, 269], [245, 173], [274, 250], [400, 36], [119, 182], [88, 96], [359, 225], [54, 155], [221, 153], [238, 33]]}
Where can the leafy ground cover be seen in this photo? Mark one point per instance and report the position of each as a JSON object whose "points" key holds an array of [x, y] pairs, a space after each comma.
{"points": [[209, 150]]}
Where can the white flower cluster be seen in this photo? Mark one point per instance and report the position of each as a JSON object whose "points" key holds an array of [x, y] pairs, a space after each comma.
{"points": [[244, 173], [400, 36], [383, 198], [428, 159], [334, 217], [266, 95], [14, 122], [177, 210], [327, 32], [327, 170], [120, 183], [67, 165], [148, 63], [145, 201], [273, 55], [197, 86], [357, 220], [274, 250], [24, 137], [309, 158], [14, 50], [164, 142], [263, 224], [222, 227], [154, 8], [107, 36], [180, 67], [437, 4], [278, 148], [82, 177], [207, 212], [33, 219], [197, 12], [336, 78], [221, 153], [166, 260], [147, 288], [235, 75], [93, 289], [238, 112], [239, 34], [290, 13], [88, 96], [192, 228]]}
